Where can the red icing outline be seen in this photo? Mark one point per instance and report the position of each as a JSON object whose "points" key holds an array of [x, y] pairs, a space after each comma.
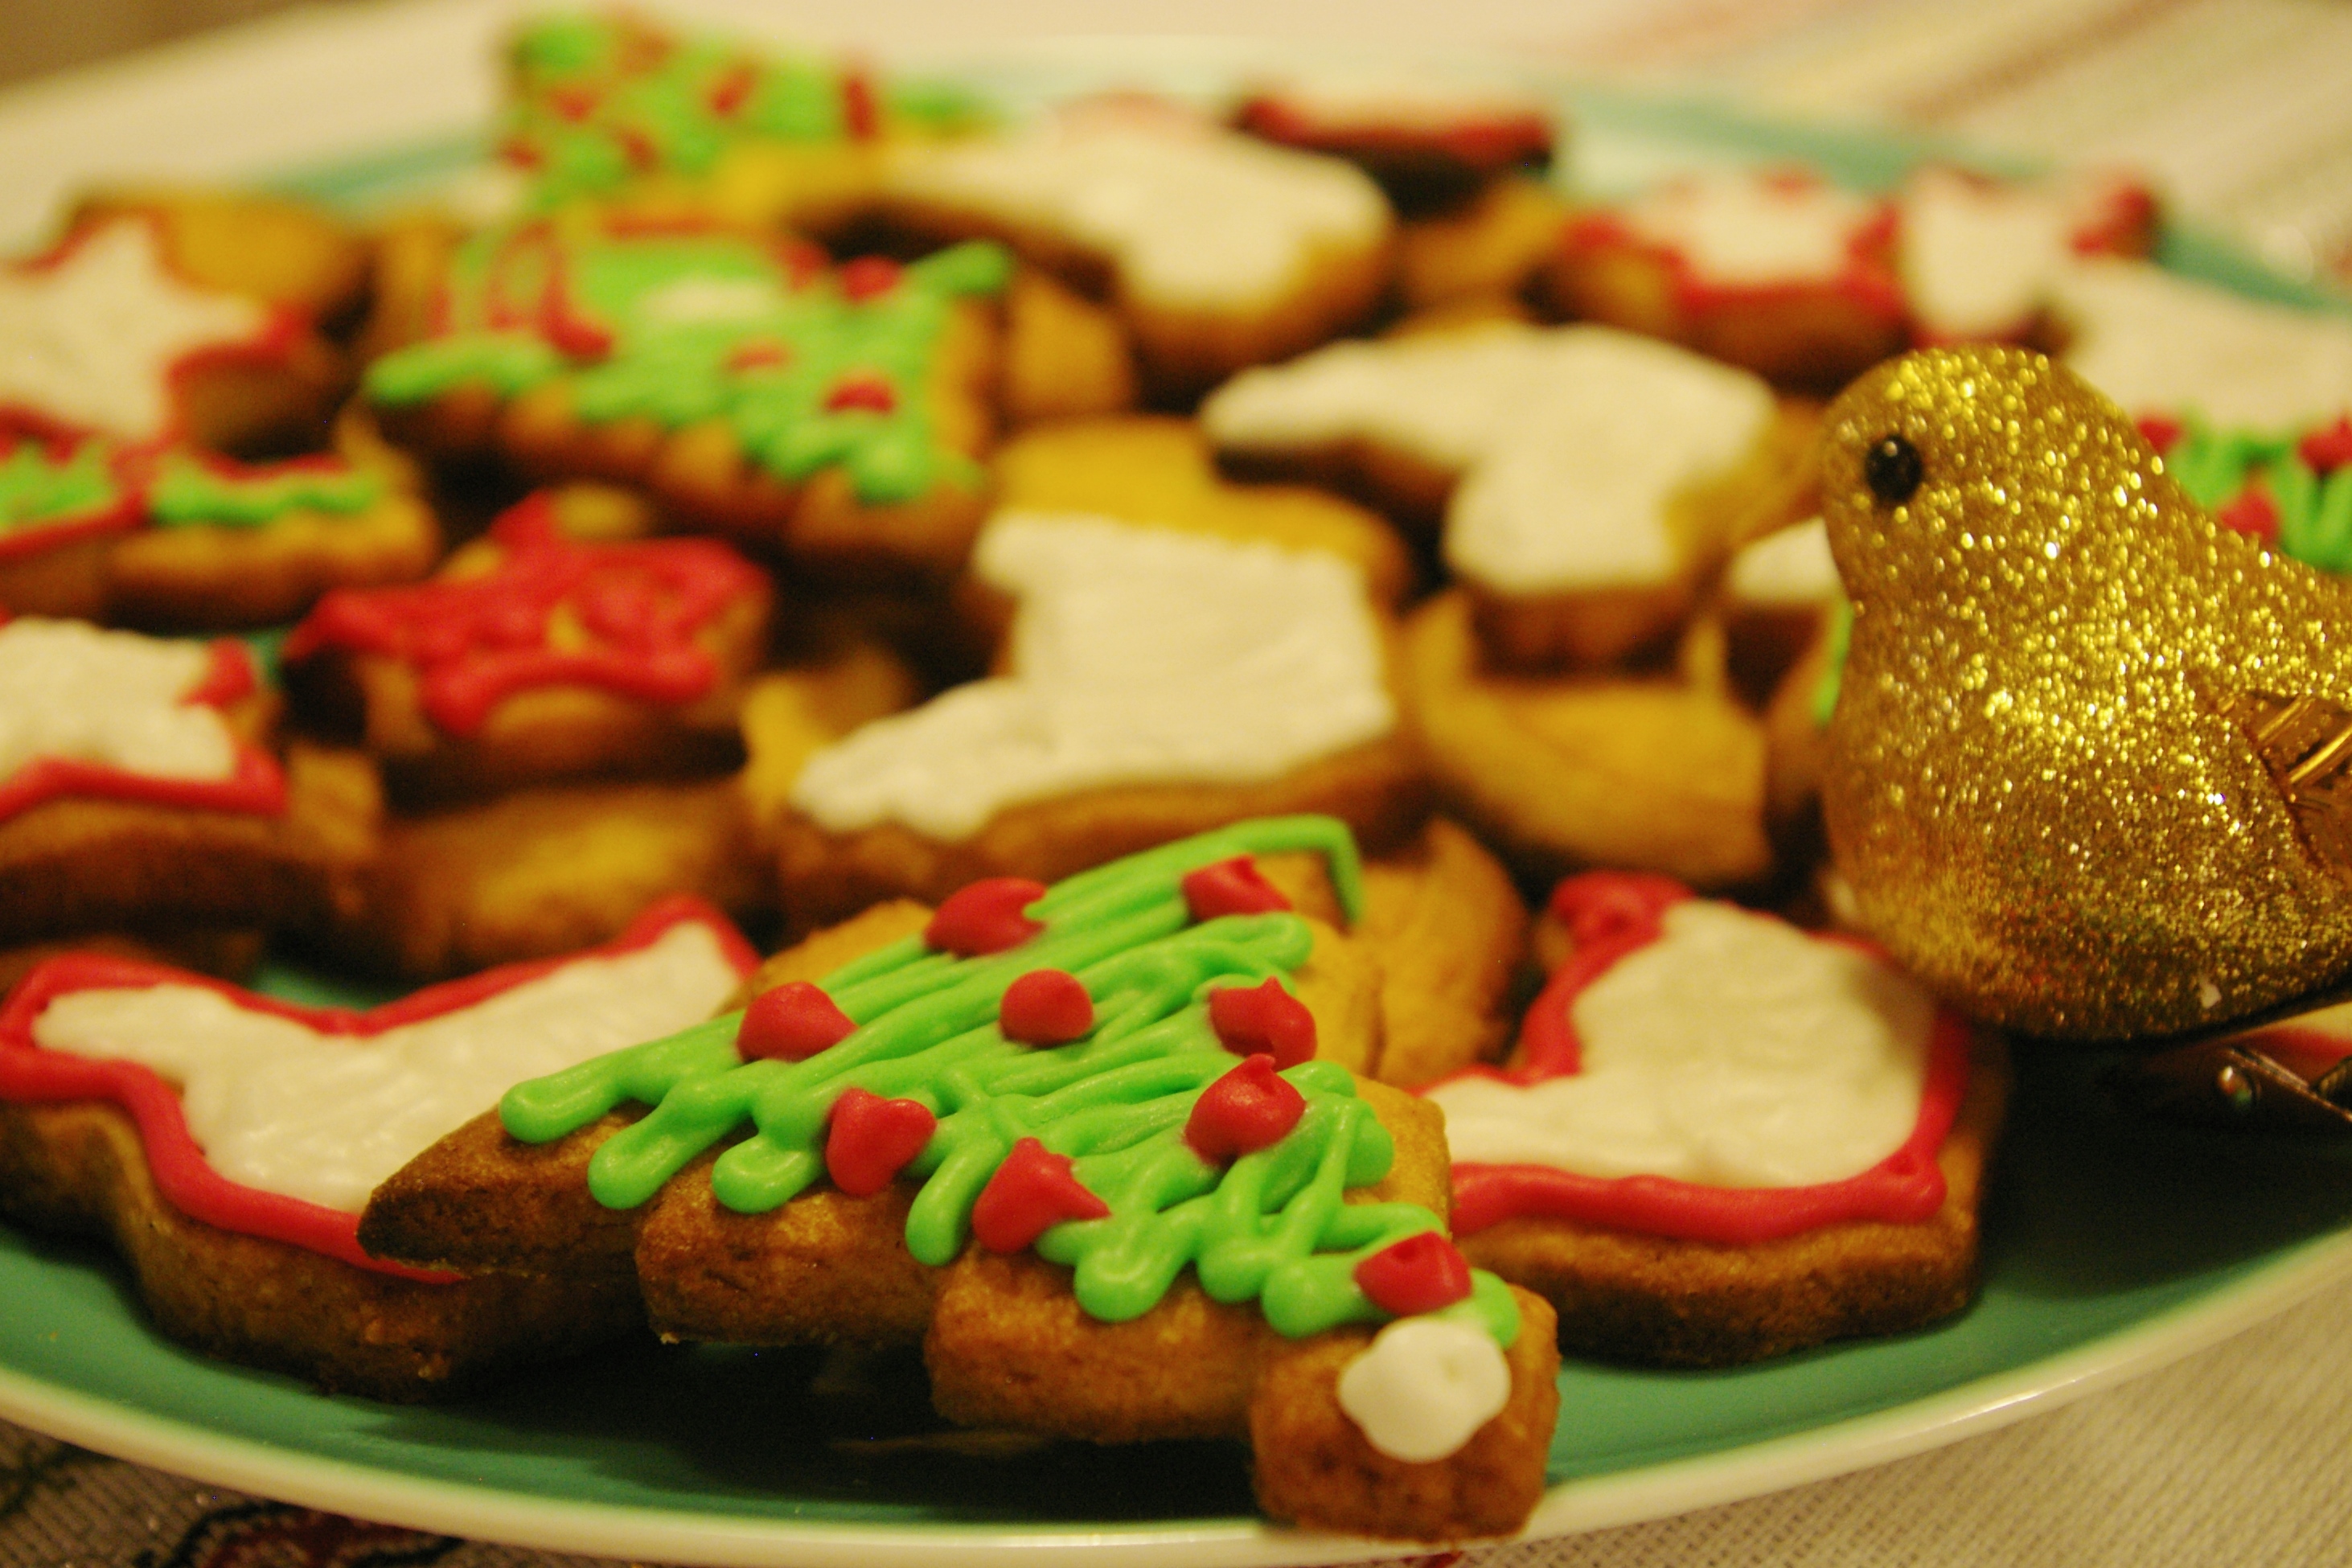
{"points": [[1486, 142], [643, 599], [30, 1075], [1869, 279], [257, 786], [1906, 1188], [282, 329]]}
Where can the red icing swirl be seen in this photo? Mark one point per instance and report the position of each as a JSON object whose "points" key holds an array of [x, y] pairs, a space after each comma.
{"points": [[634, 611]]}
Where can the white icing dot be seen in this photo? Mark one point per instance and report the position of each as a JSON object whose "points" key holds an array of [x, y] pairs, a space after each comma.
{"points": [[1424, 1386]]}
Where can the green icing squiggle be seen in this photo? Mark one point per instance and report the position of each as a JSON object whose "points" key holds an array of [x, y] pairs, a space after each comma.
{"points": [[1273, 1226], [43, 489], [186, 492], [2216, 467], [683, 327]]}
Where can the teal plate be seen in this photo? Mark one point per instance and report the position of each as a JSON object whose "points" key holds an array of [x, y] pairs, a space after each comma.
{"points": [[2110, 1249]]}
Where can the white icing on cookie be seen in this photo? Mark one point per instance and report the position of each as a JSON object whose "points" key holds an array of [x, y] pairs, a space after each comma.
{"points": [[1735, 1051], [1190, 216], [89, 343], [1748, 229], [1978, 256], [1138, 656], [2159, 344], [279, 1106], [1789, 567], [1346, 101], [117, 700], [1424, 1386], [1573, 442]]}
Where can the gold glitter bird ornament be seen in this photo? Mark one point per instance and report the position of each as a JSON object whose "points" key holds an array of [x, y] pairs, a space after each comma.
{"points": [[2088, 766]]}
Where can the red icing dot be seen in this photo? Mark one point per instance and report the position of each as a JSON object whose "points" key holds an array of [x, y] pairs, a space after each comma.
{"points": [[869, 393], [1232, 887], [985, 917], [860, 111], [760, 354], [1263, 1019], [871, 1138], [793, 1023], [864, 277], [1045, 1007], [2161, 433], [2330, 449], [2254, 513], [1419, 1274], [1245, 1110], [729, 92], [1031, 1193]]}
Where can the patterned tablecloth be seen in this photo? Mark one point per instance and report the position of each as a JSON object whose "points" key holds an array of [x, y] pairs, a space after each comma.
{"points": [[2237, 106]]}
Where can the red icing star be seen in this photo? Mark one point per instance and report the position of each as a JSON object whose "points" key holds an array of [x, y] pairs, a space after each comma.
{"points": [[792, 1023], [985, 918], [1420, 1274], [1033, 1190], [871, 1139], [553, 611], [1045, 1007], [1264, 1019], [1247, 1109], [1234, 887]]}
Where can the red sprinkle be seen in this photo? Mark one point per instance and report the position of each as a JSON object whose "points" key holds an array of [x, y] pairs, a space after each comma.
{"points": [[1234, 887], [1045, 1007], [2160, 432], [869, 393], [791, 1023], [985, 917], [1419, 1274], [1247, 1109], [1251, 1020], [871, 1138], [1031, 1193], [2253, 512], [864, 277], [2330, 449]]}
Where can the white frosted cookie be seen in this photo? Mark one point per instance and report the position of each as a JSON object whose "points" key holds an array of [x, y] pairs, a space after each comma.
{"points": [[1979, 257], [1597, 475], [2159, 343], [1220, 249], [1777, 270], [1151, 679]]}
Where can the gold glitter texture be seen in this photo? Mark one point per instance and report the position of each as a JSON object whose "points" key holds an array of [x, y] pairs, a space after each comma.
{"points": [[2044, 783]]}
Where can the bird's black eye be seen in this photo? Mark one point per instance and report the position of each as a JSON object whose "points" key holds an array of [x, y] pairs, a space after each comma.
{"points": [[1892, 469]]}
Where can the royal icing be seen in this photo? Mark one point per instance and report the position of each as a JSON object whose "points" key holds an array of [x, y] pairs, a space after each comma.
{"points": [[57, 490], [2292, 490], [605, 99], [1423, 1388], [625, 618], [203, 488], [1978, 256], [1573, 443], [1743, 232], [278, 1121], [2159, 344], [1080, 1149], [92, 337], [809, 367], [1485, 124], [1137, 656], [1705, 1071], [108, 713], [1191, 215]]}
